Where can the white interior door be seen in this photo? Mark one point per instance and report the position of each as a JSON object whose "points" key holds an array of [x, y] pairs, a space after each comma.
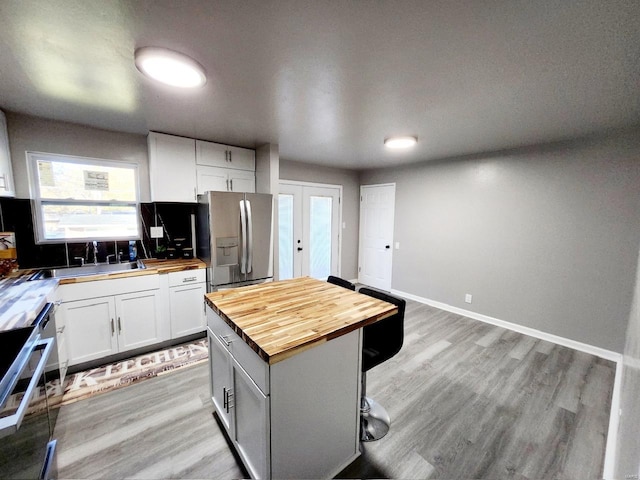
{"points": [[377, 205], [308, 230]]}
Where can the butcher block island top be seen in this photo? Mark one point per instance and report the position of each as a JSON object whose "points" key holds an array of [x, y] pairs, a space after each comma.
{"points": [[280, 319]]}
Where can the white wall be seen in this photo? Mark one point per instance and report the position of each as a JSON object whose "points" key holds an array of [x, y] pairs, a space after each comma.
{"points": [[27, 133], [303, 172], [546, 237], [628, 440]]}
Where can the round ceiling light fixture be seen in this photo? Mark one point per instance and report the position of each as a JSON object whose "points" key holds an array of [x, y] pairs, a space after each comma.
{"points": [[170, 67], [400, 142]]}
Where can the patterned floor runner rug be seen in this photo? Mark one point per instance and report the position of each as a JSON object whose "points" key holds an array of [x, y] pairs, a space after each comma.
{"points": [[127, 372], [86, 384]]}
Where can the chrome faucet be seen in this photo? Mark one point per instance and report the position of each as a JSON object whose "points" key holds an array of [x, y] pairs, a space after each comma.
{"points": [[110, 256], [95, 252]]}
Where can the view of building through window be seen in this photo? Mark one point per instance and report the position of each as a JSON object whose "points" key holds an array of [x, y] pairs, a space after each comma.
{"points": [[84, 199]]}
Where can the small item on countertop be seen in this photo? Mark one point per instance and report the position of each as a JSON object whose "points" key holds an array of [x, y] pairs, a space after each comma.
{"points": [[187, 252], [171, 253], [7, 266], [8, 245], [8, 253], [179, 243], [133, 251]]}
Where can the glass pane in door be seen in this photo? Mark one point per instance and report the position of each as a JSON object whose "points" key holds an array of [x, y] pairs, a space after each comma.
{"points": [[285, 236], [320, 237]]}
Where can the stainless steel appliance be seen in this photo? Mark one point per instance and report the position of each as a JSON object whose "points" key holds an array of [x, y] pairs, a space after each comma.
{"points": [[27, 447], [234, 238]]}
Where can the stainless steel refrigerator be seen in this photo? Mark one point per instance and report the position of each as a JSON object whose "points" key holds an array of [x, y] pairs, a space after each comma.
{"points": [[234, 238]]}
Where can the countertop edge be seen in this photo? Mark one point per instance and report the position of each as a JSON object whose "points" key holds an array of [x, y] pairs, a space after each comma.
{"points": [[147, 270]]}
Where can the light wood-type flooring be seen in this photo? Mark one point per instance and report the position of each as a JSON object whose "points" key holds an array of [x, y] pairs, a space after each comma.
{"points": [[466, 399]]}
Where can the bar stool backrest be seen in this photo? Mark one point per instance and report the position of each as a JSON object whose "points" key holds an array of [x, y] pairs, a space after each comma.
{"points": [[383, 339]]}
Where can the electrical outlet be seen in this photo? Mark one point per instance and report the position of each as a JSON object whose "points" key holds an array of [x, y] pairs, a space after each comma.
{"points": [[156, 232], [468, 297]]}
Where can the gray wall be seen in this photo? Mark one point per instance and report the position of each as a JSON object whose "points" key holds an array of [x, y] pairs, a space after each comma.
{"points": [[628, 441], [27, 133], [290, 170], [545, 237]]}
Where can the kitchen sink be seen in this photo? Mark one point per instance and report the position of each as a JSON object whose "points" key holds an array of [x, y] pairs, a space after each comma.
{"points": [[91, 269]]}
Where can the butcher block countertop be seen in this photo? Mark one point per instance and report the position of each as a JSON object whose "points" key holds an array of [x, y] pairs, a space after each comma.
{"points": [[152, 266], [279, 319]]}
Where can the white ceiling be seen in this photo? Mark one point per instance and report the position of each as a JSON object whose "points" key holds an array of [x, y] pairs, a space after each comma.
{"points": [[327, 80]]}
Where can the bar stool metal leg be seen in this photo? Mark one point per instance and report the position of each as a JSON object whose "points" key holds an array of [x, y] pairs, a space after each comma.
{"points": [[374, 419]]}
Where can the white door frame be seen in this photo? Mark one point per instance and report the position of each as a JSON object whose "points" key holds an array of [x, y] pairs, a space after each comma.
{"points": [[361, 248], [323, 185]]}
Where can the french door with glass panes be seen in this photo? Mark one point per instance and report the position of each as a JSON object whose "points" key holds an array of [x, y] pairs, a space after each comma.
{"points": [[308, 230]]}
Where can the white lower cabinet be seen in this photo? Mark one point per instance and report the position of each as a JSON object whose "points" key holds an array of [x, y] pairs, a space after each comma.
{"points": [[100, 321], [298, 418], [90, 329], [186, 302]]}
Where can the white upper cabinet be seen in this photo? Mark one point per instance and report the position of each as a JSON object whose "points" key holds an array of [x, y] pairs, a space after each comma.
{"points": [[7, 187], [181, 168], [172, 168], [216, 179], [217, 155]]}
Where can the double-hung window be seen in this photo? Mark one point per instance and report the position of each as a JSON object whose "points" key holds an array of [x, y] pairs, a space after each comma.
{"points": [[82, 199]]}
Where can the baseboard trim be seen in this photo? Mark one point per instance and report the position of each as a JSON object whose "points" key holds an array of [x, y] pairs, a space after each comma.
{"points": [[565, 342], [614, 417]]}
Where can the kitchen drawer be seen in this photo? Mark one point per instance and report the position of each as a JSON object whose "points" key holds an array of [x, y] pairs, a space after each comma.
{"points": [[187, 277], [249, 360]]}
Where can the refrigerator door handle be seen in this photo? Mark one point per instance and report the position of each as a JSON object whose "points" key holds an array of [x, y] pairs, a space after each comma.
{"points": [[243, 235], [249, 263]]}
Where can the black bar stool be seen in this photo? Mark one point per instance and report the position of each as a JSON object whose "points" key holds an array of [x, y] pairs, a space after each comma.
{"points": [[381, 341], [341, 282]]}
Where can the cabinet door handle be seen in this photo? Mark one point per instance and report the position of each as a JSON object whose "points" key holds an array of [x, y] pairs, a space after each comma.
{"points": [[228, 185], [225, 339], [113, 330], [224, 398], [119, 325], [231, 183], [230, 157]]}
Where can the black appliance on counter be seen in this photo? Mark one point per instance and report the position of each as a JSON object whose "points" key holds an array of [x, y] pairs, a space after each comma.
{"points": [[27, 447]]}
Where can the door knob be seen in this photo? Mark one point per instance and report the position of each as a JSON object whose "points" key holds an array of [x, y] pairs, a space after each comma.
{"points": [[387, 246], [299, 249]]}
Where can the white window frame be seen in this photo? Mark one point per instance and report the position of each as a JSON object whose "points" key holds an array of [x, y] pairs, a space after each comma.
{"points": [[38, 201]]}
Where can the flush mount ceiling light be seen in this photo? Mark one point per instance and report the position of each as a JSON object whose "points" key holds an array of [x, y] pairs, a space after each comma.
{"points": [[400, 142], [170, 67]]}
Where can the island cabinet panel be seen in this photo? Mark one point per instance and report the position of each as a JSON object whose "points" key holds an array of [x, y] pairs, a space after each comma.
{"points": [[251, 428], [220, 372], [297, 418], [315, 410]]}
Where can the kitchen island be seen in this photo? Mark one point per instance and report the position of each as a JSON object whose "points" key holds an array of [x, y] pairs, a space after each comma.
{"points": [[285, 360]]}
